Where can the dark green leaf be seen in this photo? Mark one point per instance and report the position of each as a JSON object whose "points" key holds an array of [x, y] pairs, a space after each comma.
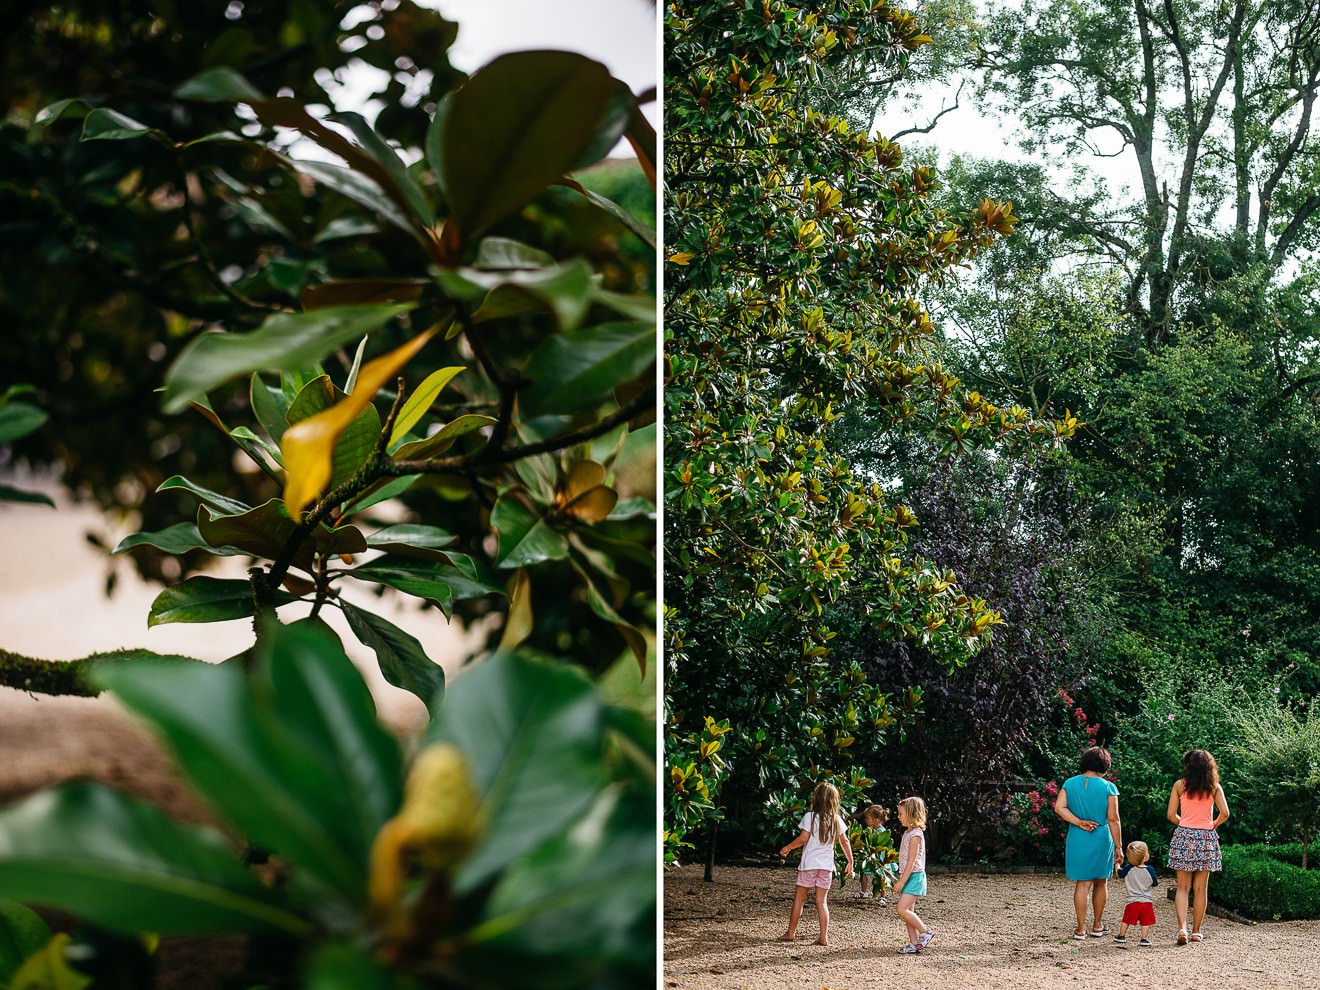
{"points": [[412, 540], [267, 529], [382, 491], [389, 161], [422, 578], [269, 406], [320, 696], [532, 733], [60, 108], [285, 341], [564, 289], [515, 127], [442, 439], [347, 967], [18, 419], [110, 125], [21, 934], [241, 749], [220, 85], [585, 897], [176, 539], [10, 494], [221, 503], [206, 599], [571, 372], [122, 864], [402, 660], [525, 538], [503, 254], [355, 187], [616, 211]]}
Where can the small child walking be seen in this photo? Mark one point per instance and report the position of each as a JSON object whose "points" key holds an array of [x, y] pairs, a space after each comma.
{"points": [[1139, 878], [872, 874], [821, 829], [911, 882]]}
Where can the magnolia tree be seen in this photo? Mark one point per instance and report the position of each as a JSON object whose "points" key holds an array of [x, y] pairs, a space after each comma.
{"points": [[483, 358], [796, 249]]}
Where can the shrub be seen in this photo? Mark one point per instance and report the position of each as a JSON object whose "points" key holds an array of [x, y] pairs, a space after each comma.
{"points": [[1267, 882]]}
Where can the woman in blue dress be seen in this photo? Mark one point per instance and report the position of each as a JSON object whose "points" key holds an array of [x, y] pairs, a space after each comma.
{"points": [[1089, 804]]}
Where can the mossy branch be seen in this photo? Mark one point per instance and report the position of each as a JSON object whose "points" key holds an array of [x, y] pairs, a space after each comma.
{"points": [[66, 677]]}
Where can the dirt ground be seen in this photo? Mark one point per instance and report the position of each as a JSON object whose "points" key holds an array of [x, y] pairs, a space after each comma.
{"points": [[991, 931]]}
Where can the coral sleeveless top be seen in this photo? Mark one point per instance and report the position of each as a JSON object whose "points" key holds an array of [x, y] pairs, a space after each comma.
{"points": [[1195, 812]]}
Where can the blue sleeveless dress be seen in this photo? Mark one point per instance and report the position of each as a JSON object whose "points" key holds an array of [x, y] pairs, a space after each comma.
{"points": [[1089, 855]]}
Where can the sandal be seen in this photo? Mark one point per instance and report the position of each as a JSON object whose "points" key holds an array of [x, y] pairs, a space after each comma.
{"points": [[1182, 936], [1099, 933], [1079, 936], [1196, 936]]}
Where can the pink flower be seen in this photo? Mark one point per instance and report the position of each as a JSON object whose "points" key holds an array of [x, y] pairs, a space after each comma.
{"points": [[1052, 789], [1079, 715], [1170, 718]]}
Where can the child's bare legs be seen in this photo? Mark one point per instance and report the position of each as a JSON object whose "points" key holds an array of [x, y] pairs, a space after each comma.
{"points": [[1180, 899], [1122, 930], [1145, 932], [823, 913], [866, 883], [906, 911], [1200, 892], [799, 898]]}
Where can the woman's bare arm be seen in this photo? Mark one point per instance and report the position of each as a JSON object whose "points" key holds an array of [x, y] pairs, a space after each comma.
{"points": [[1061, 809], [1173, 803]]}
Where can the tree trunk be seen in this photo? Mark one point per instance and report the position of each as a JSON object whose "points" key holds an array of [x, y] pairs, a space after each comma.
{"points": [[710, 852]]}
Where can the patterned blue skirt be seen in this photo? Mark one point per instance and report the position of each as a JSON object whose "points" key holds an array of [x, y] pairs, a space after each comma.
{"points": [[1194, 850]]}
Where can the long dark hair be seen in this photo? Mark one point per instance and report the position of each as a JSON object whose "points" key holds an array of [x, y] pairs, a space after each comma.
{"points": [[1200, 773]]}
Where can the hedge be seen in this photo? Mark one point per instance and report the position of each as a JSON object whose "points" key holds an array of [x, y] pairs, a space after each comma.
{"points": [[1268, 882]]}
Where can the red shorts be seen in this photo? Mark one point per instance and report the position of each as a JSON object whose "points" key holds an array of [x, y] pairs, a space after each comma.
{"points": [[1139, 913], [815, 878]]}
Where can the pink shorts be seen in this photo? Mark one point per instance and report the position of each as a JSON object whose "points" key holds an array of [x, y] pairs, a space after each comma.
{"points": [[815, 878]]}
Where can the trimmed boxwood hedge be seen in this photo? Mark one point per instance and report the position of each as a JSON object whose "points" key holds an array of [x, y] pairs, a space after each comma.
{"points": [[1268, 882]]}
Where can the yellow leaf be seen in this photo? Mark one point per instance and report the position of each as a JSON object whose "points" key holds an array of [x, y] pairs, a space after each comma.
{"points": [[518, 626], [308, 445], [681, 258]]}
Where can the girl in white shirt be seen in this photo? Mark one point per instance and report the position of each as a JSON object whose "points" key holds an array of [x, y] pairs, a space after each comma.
{"points": [[822, 829]]}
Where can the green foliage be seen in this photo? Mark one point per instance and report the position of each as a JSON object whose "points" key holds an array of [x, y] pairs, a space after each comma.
{"points": [[1279, 750], [696, 774], [796, 248], [1265, 882], [291, 755], [17, 420], [396, 327]]}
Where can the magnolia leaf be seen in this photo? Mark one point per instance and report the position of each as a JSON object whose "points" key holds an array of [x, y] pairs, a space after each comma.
{"points": [[420, 401], [308, 445]]}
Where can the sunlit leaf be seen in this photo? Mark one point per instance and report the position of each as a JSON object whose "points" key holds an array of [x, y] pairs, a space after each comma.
{"points": [[420, 401]]}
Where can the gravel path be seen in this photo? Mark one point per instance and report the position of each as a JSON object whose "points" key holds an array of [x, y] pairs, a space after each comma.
{"points": [[991, 931]]}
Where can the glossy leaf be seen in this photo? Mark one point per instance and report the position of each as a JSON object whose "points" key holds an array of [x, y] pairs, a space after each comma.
{"points": [[354, 187], [421, 400], [122, 864], [442, 439], [269, 406], [309, 445], [421, 578], [267, 529], [389, 161], [221, 503], [525, 538], [382, 491], [503, 254], [22, 933], [218, 85], [206, 599], [635, 225], [564, 289], [501, 714], [177, 539], [400, 656], [515, 127], [348, 967], [103, 124], [246, 750], [320, 696], [18, 419], [571, 372], [362, 291], [583, 898], [413, 540], [285, 341]]}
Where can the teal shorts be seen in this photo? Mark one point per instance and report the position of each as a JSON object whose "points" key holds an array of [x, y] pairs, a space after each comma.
{"points": [[916, 884]]}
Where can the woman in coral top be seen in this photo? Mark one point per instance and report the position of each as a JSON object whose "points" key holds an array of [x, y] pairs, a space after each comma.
{"points": [[1198, 807]]}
